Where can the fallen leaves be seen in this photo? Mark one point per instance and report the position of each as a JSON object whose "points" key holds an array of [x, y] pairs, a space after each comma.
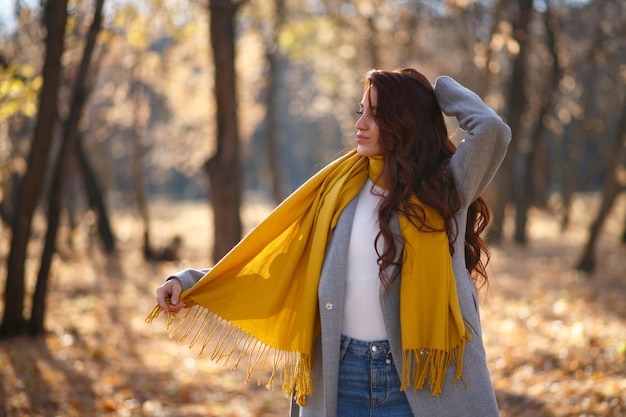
{"points": [[555, 338]]}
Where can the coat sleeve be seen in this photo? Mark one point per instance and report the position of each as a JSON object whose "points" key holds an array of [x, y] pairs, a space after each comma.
{"points": [[481, 152], [188, 277]]}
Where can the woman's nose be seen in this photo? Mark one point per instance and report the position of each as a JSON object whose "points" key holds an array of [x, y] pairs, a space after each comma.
{"points": [[360, 124]]}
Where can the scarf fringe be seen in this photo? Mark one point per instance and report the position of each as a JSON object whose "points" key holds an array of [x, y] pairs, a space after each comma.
{"points": [[419, 365], [231, 345]]}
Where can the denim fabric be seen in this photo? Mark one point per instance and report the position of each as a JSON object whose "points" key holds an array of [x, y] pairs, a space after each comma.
{"points": [[369, 385]]}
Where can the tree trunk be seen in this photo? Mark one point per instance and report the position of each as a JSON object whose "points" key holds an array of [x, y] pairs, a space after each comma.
{"points": [[31, 185], [139, 150], [497, 18], [589, 80], [93, 188], [70, 135], [623, 241], [7, 205], [224, 168], [529, 154], [95, 198], [273, 132], [610, 191], [504, 180]]}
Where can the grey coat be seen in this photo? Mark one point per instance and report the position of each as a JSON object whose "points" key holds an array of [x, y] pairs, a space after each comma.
{"points": [[474, 164]]}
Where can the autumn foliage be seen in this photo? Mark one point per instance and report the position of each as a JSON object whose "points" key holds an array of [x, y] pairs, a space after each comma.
{"points": [[555, 338]]}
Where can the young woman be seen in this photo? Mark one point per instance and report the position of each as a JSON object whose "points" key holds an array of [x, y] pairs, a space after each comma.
{"points": [[360, 290]]}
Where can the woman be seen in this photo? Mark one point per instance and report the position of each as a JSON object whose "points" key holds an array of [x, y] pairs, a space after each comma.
{"points": [[361, 288]]}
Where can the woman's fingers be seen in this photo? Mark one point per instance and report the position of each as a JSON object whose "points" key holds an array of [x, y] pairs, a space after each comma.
{"points": [[168, 296]]}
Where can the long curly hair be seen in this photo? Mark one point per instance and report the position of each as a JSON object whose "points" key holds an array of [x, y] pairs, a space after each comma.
{"points": [[414, 140]]}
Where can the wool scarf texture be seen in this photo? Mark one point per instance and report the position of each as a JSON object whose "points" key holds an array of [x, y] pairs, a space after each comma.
{"points": [[259, 303]]}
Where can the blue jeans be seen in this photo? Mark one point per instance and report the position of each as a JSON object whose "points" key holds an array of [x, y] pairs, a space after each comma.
{"points": [[369, 385]]}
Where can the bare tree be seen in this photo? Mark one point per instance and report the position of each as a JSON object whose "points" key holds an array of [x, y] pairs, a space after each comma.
{"points": [[609, 192], [488, 74], [95, 197], [517, 102], [623, 239], [92, 185], [140, 116], [68, 146], [55, 17], [224, 167], [273, 57], [589, 67], [530, 153]]}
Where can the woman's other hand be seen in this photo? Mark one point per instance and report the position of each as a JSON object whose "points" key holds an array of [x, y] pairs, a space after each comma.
{"points": [[168, 296]]}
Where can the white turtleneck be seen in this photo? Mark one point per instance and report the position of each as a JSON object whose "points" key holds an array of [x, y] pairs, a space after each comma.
{"points": [[362, 313]]}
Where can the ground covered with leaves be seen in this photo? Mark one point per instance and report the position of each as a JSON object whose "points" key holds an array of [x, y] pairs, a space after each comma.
{"points": [[555, 338]]}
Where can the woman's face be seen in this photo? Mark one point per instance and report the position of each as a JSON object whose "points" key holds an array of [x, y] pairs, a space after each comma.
{"points": [[367, 135]]}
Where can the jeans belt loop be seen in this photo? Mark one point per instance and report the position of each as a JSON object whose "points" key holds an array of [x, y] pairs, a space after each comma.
{"points": [[345, 342]]}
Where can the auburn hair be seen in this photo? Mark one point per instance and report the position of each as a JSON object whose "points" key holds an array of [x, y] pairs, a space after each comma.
{"points": [[414, 140]]}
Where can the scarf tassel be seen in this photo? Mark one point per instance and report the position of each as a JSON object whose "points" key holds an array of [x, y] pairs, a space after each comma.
{"points": [[231, 345], [431, 365]]}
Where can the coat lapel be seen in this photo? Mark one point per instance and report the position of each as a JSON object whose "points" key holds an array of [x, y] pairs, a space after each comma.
{"points": [[331, 296]]}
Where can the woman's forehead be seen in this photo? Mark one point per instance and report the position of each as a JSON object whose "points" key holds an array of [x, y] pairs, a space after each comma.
{"points": [[370, 96]]}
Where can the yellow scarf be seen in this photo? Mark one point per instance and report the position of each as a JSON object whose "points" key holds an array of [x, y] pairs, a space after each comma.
{"points": [[260, 301]]}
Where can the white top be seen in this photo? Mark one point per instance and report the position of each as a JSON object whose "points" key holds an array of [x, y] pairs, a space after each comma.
{"points": [[362, 313]]}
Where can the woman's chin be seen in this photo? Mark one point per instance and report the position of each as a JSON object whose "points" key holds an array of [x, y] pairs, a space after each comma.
{"points": [[367, 151]]}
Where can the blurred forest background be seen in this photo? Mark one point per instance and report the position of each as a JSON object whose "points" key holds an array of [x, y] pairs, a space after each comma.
{"points": [[139, 137]]}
